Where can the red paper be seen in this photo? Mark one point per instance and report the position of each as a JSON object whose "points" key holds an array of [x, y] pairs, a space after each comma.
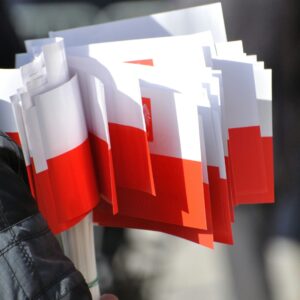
{"points": [[104, 170], [74, 189], [220, 207], [247, 164], [179, 196], [104, 217]]}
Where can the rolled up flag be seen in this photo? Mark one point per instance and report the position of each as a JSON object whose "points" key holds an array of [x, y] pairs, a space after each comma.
{"points": [[93, 97], [127, 130], [66, 145]]}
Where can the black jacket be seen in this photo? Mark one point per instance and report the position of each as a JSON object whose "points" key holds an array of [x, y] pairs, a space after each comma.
{"points": [[32, 265]]}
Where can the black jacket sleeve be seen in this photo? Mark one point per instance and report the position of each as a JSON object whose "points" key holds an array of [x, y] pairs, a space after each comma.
{"points": [[32, 265]]}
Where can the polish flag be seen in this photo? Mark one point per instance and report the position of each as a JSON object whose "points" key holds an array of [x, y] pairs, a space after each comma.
{"points": [[224, 130], [176, 161], [39, 169], [232, 51], [127, 130], [208, 103], [58, 142], [218, 185], [263, 88], [209, 234], [93, 98], [104, 217], [245, 147]]}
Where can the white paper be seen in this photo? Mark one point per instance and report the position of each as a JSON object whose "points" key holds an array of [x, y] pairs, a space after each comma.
{"points": [[178, 22], [173, 52], [122, 91], [240, 106], [93, 98], [61, 118]]}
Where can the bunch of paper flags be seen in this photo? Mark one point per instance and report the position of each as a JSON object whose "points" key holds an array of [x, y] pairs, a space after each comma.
{"points": [[155, 122]]}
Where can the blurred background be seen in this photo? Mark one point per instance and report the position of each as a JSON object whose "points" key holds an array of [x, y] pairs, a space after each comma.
{"points": [[264, 263]]}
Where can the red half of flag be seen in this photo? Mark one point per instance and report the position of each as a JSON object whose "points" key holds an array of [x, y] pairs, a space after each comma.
{"points": [[230, 188], [104, 170], [247, 164], [15, 137], [220, 206], [180, 195], [73, 182], [131, 158], [266, 196], [30, 175], [104, 217], [47, 203]]}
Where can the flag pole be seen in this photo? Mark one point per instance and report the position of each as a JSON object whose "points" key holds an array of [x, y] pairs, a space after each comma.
{"points": [[79, 245]]}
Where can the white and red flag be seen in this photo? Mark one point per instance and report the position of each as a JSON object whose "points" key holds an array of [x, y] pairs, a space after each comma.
{"points": [[216, 168], [245, 150], [174, 142], [263, 88], [67, 150], [127, 130], [208, 103], [181, 205], [93, 98], [63, 173]]}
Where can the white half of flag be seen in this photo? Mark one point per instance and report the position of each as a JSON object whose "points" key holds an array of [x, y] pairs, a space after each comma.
{"points": [[125, 117], [10, 81], [170, 52], [178, 22]]}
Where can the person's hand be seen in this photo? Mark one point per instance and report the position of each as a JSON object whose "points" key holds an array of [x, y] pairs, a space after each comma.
{"points": [[108, 297]]}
